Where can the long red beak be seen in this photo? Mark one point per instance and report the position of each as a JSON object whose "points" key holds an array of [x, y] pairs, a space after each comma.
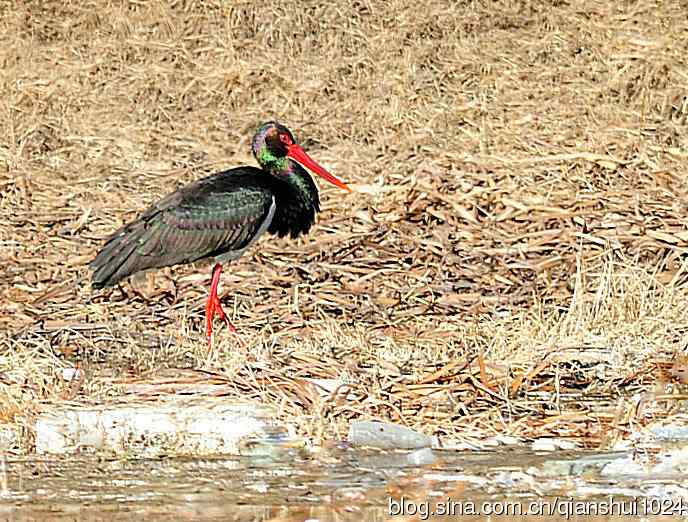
{"points": [[298, 154]]}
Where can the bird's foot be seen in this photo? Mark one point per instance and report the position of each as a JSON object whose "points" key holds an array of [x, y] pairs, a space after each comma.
{"points": [[223, 317], [212, 308]]}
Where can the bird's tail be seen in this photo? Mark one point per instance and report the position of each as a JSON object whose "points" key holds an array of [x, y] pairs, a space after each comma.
{"points": [[119, 257]]}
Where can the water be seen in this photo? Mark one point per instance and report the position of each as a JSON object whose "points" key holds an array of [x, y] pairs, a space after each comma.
{"points": [[336, 485]]}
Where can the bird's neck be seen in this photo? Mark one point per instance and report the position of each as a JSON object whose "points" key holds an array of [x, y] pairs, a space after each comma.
{"points": [[276, 166], [301, 182], [297, 202], [291, 173]]}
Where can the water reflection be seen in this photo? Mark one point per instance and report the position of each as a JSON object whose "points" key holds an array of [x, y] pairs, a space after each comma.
{"points": [[342, 485]]}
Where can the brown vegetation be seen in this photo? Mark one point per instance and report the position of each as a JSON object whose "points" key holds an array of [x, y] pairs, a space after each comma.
{"points": [[513, 261]]}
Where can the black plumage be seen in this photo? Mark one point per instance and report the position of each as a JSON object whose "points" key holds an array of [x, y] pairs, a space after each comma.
{"points": [[215, 217], [219, 216]]}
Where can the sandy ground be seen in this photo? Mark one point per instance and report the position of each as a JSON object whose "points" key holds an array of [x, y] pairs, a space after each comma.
{"points": [[512, 261]]}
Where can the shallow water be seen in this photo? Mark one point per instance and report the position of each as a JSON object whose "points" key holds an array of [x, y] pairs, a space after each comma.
{"points": [[335, 485]]}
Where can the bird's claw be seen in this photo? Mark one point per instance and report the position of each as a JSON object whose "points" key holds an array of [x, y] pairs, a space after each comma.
{"points": [[223, 317], [212, 308]]}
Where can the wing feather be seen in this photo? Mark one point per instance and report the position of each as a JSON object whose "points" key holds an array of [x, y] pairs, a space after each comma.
{"points": [[214, 217]]}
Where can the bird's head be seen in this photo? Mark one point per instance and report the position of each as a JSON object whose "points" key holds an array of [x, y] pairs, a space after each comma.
{"points": [[273, 145]]}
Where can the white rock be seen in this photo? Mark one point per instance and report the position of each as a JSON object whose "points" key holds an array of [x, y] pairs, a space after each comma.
{"points": [[550, 444], [182, 426]]}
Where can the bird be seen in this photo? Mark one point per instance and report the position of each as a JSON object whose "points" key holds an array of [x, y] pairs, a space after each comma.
{"points": [[219, 217]]}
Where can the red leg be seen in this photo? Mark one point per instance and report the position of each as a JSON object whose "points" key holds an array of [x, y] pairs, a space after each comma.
{"points": [[213, 306]]}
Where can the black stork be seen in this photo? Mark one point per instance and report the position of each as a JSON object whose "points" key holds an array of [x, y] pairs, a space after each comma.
{"points": [[220, 216]]}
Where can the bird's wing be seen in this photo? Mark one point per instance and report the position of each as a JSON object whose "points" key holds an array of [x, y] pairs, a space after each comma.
{"points": [[207, 225], [213, 217]]}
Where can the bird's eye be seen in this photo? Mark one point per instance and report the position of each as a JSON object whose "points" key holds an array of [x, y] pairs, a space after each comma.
{"points": [[285, 139]]}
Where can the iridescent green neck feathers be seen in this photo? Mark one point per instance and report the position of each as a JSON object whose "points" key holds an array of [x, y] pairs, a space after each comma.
{"points": [[268, 161]]}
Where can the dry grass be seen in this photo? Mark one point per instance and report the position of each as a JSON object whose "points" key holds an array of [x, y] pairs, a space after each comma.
{"points": [[514, 260]]}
